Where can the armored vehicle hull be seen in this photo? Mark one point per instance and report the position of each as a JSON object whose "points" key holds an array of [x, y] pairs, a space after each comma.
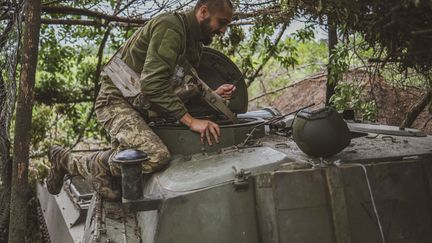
{"points": [[266, 192], [257, 186]]}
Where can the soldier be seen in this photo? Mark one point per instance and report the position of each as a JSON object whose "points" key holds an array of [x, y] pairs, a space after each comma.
{"points": [[155, 53]]}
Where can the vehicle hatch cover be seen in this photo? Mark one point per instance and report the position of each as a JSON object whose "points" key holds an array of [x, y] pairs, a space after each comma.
{"points": [[384, 129], [216, 69], [207, 171]]}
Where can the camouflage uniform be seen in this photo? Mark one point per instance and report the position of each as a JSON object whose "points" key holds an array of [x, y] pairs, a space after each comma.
{"points": [[154, 52]]}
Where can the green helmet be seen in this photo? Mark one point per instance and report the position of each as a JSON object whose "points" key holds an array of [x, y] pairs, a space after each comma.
{"points": [[320, 133]]}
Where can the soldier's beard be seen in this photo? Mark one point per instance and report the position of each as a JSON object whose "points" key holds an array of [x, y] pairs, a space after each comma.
{"points": [[206, 30]]}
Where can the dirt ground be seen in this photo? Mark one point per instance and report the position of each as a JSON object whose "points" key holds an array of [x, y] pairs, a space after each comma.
{"points": [[393, 102]]}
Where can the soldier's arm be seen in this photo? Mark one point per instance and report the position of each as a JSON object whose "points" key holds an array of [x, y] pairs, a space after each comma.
{"points": [[163, 51]]}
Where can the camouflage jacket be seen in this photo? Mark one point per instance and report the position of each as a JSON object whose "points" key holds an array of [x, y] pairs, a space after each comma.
{"points": [[156, 49]]}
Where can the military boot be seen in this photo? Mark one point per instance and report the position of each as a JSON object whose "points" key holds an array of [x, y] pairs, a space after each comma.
{"points": [[59, 158], [100, 175]]}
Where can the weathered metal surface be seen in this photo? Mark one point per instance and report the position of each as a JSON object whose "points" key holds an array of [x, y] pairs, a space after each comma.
{"points": [[402, 196], [241, 179], [339, 210], [266, 213], [144, 204], [302, 210], [284, 201], [108, 222], [427, 168], [181, 140], [148, 222], [218, 214], [93, 221], [204, 171], [265, 113], [119, 226], [304, 213], [372, 148], [60, 216], [384, 129], [79, 196]]}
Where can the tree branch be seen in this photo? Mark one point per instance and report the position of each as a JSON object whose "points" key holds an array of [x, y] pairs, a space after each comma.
{"points": [[113, 18], [269, 11], [71, 22], [416, 109], [267, 58], [89, 13], [126, 23], [124, 7], [285, 87], [88, 23]]}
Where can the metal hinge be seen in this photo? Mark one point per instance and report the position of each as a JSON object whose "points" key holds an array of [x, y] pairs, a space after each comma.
{"points": [[241, 180]]}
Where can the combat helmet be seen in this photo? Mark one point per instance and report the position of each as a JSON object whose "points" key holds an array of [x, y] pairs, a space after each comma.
{"points": [[320, 133]]}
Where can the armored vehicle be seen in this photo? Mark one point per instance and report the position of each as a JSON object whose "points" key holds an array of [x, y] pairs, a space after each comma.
{"points": [[256, 185]]}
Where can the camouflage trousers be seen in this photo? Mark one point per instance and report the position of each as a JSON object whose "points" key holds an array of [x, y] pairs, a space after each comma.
{"points": [[125, 124]]}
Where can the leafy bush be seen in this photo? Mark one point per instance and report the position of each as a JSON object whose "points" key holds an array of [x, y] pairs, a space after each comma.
{"points": [[349, 96]]}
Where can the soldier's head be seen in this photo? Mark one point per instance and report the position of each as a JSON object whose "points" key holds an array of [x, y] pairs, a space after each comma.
{"points": [[213, 17]]}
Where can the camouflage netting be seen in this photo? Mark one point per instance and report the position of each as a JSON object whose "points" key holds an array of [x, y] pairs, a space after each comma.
{"points": [[10, 27], [403, 28]]}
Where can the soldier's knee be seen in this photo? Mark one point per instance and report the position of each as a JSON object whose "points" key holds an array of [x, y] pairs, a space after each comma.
{"points": [[158, 160], [163, 157]]}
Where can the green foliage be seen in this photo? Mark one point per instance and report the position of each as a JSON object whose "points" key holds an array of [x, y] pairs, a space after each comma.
{"points": [[65, 86], [405, 79], [305, 34], [256, 53], [338, 63], [400, 27], [310, 56], [349, 96]]}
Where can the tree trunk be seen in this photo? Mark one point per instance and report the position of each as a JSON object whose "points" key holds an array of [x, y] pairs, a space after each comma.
{"points": [[5, 162], [332, 42], [416, 109], [8, 42], [20, 188]]}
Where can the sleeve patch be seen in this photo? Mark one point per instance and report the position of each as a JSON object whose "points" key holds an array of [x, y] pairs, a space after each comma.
{"points": [[170, 45]]}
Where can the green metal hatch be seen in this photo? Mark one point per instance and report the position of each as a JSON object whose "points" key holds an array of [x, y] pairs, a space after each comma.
{"points": [[216, 69], [181, 140]]}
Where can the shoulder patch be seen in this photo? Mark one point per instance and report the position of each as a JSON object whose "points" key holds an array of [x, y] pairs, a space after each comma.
{"points": [[170, 46]]}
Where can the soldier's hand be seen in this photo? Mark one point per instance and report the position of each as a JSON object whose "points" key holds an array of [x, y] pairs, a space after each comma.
{"points": [[207, 129], [225, 91]]}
